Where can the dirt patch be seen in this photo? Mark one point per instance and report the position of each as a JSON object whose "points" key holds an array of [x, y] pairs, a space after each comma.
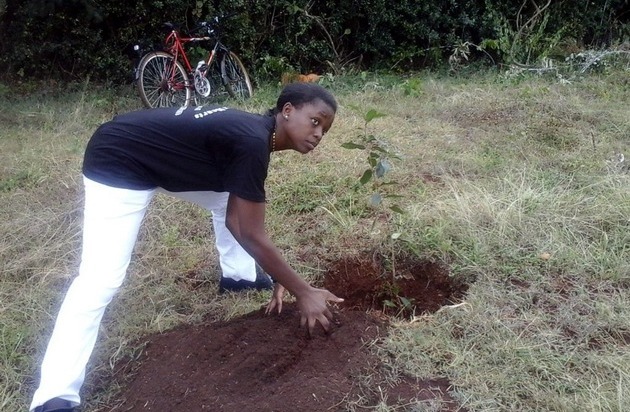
{"points": [[405, 287], [267, 363]]}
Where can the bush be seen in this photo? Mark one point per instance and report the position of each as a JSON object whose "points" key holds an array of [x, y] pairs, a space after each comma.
{"points": [[75, 39]]}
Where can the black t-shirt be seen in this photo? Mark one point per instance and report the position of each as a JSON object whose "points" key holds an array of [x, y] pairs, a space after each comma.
{"points": [[183, 149]]}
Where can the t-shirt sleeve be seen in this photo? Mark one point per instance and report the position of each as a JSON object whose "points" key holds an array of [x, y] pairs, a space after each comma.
{"points": [[246, 173]]}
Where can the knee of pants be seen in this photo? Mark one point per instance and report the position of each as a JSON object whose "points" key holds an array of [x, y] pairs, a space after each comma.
{"points": [[86, 295], [102, 276]]}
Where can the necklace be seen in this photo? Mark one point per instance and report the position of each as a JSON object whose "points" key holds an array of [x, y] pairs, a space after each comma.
{"points": [[273, 141]]}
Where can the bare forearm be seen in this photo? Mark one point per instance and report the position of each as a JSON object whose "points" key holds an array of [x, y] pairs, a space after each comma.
{"points": [[270, 259], [246, 221]]}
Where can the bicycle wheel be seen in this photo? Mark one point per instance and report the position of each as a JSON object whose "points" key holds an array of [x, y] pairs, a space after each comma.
{"points": [[162, 81], [237, 81]]}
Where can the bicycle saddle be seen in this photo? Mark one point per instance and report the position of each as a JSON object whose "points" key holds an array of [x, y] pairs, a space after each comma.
{"points": [[168, 26]]}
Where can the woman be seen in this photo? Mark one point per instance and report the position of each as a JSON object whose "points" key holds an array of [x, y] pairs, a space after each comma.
{"points": [[216, 157]]}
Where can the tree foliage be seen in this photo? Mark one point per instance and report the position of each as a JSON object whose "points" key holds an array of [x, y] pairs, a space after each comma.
{"points": [[81, 38]]}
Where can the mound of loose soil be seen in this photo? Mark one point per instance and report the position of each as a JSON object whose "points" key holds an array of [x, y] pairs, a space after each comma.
{"points": [[264, 362]]}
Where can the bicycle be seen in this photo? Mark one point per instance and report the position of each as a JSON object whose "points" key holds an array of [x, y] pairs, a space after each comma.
{"points": [[165, 78]]}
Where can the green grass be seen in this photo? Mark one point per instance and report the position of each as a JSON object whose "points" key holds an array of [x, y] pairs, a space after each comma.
{"points": [[515, 184]]}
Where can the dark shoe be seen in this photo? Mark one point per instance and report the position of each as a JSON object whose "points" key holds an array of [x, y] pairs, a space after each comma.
{"points": [[56, 405], [262, 282]]}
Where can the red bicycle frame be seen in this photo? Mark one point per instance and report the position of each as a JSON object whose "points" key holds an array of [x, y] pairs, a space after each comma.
{"points": [[175, 45]]}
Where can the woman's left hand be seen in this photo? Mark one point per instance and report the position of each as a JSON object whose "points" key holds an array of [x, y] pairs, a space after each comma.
{"points": [[276, 299]]}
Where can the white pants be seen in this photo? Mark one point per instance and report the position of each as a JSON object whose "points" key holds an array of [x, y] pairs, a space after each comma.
{"points": [[112, 218]]}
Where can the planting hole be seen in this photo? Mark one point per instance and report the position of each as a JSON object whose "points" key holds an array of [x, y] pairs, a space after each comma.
{"points": [[400, 287]]}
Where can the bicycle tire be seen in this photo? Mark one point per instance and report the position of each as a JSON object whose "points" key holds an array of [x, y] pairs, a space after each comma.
{"points": [[237, 82], [155, 84]]}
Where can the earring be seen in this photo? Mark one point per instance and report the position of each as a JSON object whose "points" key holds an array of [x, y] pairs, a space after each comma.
{"points": [[286, 116]]}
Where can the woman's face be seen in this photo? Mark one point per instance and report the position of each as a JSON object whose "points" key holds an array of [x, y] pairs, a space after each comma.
{"points": [[305, 126]]}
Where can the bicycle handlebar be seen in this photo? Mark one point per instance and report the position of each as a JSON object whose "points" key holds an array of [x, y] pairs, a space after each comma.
{"points": [[210, 27], [206, 26]]}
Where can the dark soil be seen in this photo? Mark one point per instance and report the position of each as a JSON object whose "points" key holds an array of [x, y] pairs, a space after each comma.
{"points": [[264, 362]]}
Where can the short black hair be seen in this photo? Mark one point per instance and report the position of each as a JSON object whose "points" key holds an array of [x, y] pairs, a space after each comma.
{"points": [[299, 94]]}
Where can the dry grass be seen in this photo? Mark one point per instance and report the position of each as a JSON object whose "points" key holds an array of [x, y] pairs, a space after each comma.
{"points": [[516, 185]]}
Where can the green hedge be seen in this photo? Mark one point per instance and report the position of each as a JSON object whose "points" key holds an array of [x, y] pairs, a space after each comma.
{"points": [[74, 39]]}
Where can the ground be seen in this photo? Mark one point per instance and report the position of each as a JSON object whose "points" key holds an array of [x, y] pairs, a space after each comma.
{"points": [[264, 362]]}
